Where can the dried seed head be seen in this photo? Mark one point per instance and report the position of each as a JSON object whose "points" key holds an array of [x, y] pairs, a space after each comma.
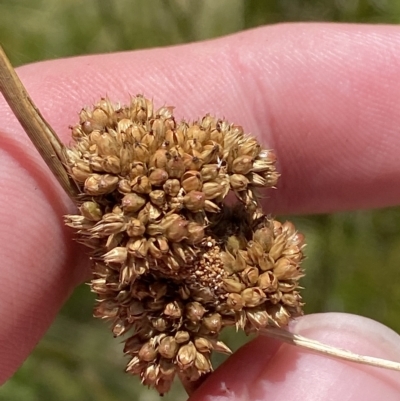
{"points": [[174, 262]]}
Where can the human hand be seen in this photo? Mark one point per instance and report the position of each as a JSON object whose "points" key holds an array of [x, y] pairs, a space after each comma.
{"points": [[325, 97]]}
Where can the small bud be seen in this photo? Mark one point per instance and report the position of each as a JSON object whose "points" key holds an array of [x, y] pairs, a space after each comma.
{"points": [[175, 167], [253, 296], [278, 246], [81, 171], [111, 164], [203, 344], [158, 247], [186, 355], [181, 337], [138, 247], [195, 233], [135, 228], [132, 202], [249, 275], [158, 177], [172, 187], [191, 181], [267, 282], [258, 317], [147, 353], [231, 285], [213, 323], [173, 310], [177, 231], [116, 255], [194, 201], [157, 197], [141, 185], [209, 172], [285, 269], [202, 363], [138, 169], [97, 184], [168, 347], [91, 211], [242, 165], [235, 301], [195, 311], [238, 182]]}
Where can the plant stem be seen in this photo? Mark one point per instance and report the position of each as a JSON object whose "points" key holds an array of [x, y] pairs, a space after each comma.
{"points": [[319, 348], [39, 131]]}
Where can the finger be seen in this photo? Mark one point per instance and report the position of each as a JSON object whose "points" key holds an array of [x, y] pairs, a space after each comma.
{"points": [[40, 263], [325, 97], [263, 370], [281, 83]]}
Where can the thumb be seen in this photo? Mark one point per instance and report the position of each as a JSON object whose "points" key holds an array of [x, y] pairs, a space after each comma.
{"points": [[264, 369]]}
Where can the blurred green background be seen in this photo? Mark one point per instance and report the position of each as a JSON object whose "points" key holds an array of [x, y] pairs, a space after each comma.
{"points": [[353, 258]]}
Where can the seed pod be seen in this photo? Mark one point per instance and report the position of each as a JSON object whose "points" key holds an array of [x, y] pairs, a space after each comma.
{"points": [[209, 172], [138, 169], [278, 246], [124, 186], [158, 247], [258, 317], [158, 177], [107, 309], [182, 337], [202, 363], [195, 311], [250, 275], [178, 231], [253, 297], [135, 228], [242, 165], [267, 281], [173, 310], [141, 185], [213, 323], [238, 182], [231, 285], [175, 167], [97, 184], [203, 345], [195, 233], [147, 353], [138, 247], [116, 255], [91, 211], [172, 187], [168, 347], [186, 355], [235, 301], [132, 202], [157, 197], [194, 201], [191, 181], [159, 159]]}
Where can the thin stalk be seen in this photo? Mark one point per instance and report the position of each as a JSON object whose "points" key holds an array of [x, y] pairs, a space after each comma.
{"points": [[337, 353], [37, 128]]}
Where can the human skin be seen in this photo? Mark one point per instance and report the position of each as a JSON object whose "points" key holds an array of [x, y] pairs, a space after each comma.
{"points": [[324, 96]]}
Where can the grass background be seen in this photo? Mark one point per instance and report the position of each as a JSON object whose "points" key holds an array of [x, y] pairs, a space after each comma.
{"points": [[353, 258]]}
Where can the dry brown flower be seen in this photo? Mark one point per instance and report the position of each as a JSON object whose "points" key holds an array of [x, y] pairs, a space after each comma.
{"points": [[175, 262]]}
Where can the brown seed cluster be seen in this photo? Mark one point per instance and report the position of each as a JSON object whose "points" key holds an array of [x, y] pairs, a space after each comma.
{"points": [[173, 261]]}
